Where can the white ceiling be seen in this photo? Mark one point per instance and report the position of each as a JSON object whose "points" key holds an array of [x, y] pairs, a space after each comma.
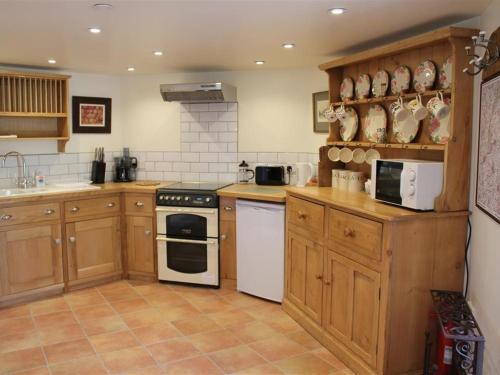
{"points": [[209, 35]]}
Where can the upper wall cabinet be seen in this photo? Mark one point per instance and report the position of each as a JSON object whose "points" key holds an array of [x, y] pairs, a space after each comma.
{"points": [[34, 106]]}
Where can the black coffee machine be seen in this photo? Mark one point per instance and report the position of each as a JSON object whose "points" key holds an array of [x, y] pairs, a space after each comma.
{"points": [[125, 167]]}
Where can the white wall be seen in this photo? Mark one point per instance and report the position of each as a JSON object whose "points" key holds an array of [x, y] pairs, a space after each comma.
{"points": [[484, 294]]}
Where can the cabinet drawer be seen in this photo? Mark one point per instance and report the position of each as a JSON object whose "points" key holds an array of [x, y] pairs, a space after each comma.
{"points": [[307, 215], [139, 204], [29, 214], [227, 208], [356, 233], [92, 207]]}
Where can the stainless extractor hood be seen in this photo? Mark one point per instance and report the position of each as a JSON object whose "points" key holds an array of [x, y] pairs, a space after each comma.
{"points": [[198, 92]]}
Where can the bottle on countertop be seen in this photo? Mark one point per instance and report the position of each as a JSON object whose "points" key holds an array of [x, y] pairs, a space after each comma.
{"points": [[39, 179]]}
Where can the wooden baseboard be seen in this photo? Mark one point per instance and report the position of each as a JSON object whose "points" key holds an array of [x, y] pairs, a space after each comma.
{"points": [[85, 283], [31, 295], [355, 364], [142, 276]]}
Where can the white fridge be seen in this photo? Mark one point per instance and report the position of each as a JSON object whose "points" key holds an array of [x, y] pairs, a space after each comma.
{"points": [[260, 248]]}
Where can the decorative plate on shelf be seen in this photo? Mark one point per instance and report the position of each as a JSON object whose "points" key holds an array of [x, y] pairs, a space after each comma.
{"points": [[424, 76], [375, 124], [363, 86], [347, 89], [401, 79], [445, 74], [439, 129], [349, 125], [380, 84], [371, 155], [405, 131]]}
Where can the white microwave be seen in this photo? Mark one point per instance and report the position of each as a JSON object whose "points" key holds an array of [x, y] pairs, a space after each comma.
{"points": [[413, 184]]}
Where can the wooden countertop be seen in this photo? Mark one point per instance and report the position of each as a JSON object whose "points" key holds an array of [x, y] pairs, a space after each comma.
{"points": [[255, 192], [361, 203], [106, 188]]}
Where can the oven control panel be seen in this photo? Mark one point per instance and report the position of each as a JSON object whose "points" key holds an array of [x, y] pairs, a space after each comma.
{"points": [[186, 199]]}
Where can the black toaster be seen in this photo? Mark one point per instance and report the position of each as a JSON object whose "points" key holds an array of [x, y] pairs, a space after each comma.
{"points": [[270, 175]]}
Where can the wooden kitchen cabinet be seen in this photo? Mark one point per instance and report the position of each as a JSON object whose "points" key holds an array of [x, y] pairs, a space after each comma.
{"points": [[30, 258], [304, 274], [227, 243], [140, 245], [94, 248]]}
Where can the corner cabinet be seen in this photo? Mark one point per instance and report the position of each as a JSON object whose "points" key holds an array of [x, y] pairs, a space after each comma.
{"points": [[360, 282], [34, 106]]}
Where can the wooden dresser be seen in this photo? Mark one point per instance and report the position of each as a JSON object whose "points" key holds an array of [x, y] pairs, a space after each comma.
{"points": [[358, 274]]}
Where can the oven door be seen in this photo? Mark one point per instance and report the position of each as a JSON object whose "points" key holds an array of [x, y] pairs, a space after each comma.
{"points": [[187, 222], [188, 261]]}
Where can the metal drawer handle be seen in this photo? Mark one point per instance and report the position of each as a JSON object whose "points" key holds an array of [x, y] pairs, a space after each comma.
{"points": [[228, 208], [75, 209], [49, 211], [5, 217], [147, 232], [72, 239], [223, 237], [348, 232], [110, 204], [165, 239], [327, 282], [139, 204], [301, 215], [319, 277], [57, 241]]}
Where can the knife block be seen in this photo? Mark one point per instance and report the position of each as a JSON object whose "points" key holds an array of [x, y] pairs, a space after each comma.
{"points": [[98, 172]]}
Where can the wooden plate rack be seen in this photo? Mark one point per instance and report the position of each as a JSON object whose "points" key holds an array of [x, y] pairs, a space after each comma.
{"points": [[435, 46], [34, 106]]}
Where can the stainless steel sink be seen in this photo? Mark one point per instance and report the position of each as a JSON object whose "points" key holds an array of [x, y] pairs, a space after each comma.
{"points": [[55, 188]]}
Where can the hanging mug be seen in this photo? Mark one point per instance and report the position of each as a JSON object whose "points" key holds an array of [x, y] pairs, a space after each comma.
{"points": [[438, 107], [417, 108], [399, 111]]}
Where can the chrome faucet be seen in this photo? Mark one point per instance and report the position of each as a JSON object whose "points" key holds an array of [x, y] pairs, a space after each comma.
{"points": [[23, 178]]}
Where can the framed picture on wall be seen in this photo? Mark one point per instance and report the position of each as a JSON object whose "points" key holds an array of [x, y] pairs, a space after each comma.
{"points": [[488, 153], [321, 102], [91, 115]]}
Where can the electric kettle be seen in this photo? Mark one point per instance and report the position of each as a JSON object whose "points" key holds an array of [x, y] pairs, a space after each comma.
{"points": [[305, 172]]}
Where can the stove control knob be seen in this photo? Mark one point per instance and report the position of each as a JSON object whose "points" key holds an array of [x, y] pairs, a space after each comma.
{"points": [[186, 198], [178, 198], [208, 199]]}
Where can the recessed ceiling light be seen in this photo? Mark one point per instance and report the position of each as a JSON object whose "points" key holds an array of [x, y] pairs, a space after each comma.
{"points": [[158, 53], [103, 6], [260, 62], [51, 61], [337, 11], [131, 69], [94, 30], [288, 45]]}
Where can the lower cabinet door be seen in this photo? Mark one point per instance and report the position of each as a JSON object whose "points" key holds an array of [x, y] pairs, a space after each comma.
{"points": [[352, 302], [140, 244], [94, 248], [30, 258], [304, 275], [228, 249]]}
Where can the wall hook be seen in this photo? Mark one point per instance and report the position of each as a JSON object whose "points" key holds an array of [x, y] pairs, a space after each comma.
{"points": [[484, 53]]}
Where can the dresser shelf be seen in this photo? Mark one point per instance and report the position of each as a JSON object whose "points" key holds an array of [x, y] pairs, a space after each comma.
{"points": [[410, 146], [392, 98]]}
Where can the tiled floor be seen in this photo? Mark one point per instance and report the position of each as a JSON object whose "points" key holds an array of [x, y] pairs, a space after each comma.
{"points": [[148, 328]]}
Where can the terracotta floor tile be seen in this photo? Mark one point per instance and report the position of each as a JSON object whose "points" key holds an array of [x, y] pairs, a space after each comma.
{"points": [[150, 370], [14, 312], [155, 333], [115, 285], [187, 291], [277, 347], [211, 305], [261, 312], [192, 366], [267, 369], [55, 319], [328, 357], [21, 360], [52, 335], [166, 297], [196, 325], [94, 312], [130, 305], [304, 364], [242, 300], [282, 323], [214, 341], [47, 306], [120, 294], [142, 318], [19, 341], [305, 339], [83, 366], [253, 331], [44, 370], [109, 342], [127, 359], [178, 312], [172, 350], [148, 288], [17, 325], [67, 351], [231, 318], [237, 359], [103, 325], [86, 297]]}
